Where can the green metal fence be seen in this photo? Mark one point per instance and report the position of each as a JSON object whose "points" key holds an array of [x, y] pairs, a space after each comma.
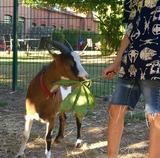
{"points": [[20, 60]]}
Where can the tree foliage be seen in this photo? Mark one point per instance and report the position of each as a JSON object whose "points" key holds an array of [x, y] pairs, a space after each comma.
{"points": [[108, 13], [111, 26]]}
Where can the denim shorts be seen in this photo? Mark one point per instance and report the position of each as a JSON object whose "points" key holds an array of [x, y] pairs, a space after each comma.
{"points": [[127, 92]]}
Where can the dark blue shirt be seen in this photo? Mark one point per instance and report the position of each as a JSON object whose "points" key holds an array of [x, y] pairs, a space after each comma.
{"points": [[141, 60]]}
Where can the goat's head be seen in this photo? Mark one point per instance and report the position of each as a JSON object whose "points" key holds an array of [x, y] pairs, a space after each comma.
{"points": [[68, 62]]}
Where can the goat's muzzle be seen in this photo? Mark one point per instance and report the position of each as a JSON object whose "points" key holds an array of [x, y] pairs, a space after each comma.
{"points": [[84, 78]]}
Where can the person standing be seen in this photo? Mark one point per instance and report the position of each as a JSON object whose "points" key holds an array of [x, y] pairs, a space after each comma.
{"points": [[80, 44], [138, 66]]}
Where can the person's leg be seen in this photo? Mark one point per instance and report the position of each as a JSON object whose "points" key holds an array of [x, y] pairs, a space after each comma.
{"points": [[125, 96], [151, 91], [154, 137], [115, 129]]}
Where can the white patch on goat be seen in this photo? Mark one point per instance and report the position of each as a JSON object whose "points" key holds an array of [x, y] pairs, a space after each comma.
{"points": [[65, 91], [26, 133], [79, 141], [36, 117], [48, 153], [64, 78], [82, 72]]}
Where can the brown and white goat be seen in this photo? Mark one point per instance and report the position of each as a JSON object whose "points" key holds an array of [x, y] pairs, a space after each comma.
{"points": [[43, 100]]}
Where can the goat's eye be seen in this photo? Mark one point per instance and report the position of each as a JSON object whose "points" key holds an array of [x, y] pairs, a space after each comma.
{"points": [[69, 64]]}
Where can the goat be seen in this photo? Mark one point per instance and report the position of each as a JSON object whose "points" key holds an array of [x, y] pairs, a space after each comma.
{"points": [[43, 99]]}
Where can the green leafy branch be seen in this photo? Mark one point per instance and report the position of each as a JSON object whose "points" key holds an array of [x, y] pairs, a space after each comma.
{"points": [[80, 100]]}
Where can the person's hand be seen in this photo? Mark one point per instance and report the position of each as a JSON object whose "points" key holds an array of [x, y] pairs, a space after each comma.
{"points": [[110, 71]]}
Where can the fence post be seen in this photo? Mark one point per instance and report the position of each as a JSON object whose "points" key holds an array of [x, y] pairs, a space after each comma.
{"points": [[0, 10], [15, 26]]}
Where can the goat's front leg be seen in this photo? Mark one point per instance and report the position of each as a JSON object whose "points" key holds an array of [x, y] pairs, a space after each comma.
{"points": [[79, 140], [49, 128], [62, 122], [26, 133]]}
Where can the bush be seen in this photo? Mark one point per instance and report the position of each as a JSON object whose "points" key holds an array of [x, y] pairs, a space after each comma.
{"points": [[58, 35], [73, 35]]}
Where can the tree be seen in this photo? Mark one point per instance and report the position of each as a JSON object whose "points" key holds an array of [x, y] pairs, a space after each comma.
{"points": [[111, 26], [108, 12]]}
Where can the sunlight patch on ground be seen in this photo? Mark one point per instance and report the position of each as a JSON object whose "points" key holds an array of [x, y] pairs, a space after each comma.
{"points": [[88, 148], [138, 145], [99, 144], [95, 130], [133, 155], [37, 143]]}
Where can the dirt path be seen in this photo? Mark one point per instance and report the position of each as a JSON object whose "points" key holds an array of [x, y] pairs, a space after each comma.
{"points": [[134, 143]]}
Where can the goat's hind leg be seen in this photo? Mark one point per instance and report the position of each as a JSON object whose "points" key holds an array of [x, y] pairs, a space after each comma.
{"points": [[79, 140], [62, 122], [26, 134]]}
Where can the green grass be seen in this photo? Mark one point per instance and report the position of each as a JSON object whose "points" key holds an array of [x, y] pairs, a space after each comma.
{"points": [[29, 66]]}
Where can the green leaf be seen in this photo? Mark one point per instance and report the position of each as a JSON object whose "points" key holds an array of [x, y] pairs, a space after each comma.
{"points": [[87, 83], [80, 100], [91, 101], [64, 82], [80, 112], [76, 92], [85, 101], [69, 101]]}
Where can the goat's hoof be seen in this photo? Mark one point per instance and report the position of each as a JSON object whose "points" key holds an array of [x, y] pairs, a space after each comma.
{"points": [[20, 155], [79, 143], [48, 154], [58, 139]]}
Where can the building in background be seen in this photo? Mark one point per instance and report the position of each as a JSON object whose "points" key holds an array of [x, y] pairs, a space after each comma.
{"points": [[48, 18]]}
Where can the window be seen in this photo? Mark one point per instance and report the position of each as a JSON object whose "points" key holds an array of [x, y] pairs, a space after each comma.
{"points": [[54, 27], [34, 24], [7, 18], [61, 28], [21, 19], [43, 24]]}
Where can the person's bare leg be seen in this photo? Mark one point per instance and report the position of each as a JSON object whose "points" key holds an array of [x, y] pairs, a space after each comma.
{"points": [[115, 129], [154, 136]]}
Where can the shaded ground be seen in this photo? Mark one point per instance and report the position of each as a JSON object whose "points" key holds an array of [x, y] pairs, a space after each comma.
{"points": [[134, 143]]}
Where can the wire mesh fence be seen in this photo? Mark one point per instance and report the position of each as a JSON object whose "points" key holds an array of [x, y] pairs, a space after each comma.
{"points": [[33, 25]]}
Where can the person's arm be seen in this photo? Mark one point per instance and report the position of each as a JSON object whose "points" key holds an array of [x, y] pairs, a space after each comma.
{"points": [[112, 69]]}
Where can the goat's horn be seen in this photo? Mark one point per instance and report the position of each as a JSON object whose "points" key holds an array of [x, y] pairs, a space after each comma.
{"points": [[66, 43], [60, 46]]}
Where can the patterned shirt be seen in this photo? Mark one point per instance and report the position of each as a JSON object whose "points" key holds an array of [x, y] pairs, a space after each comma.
{"points": [[141, 60], [131, 7]]}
